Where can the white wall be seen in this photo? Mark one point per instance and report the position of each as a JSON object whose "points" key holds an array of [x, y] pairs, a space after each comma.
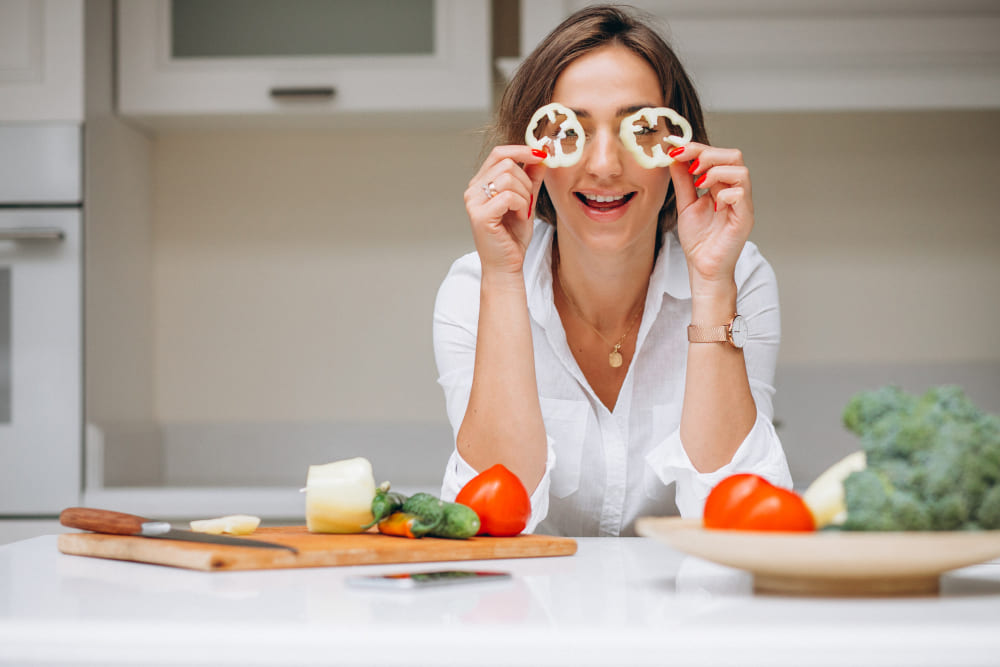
{"points": [[294, 272]]}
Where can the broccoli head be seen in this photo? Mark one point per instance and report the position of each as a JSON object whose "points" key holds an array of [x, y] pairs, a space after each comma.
{"points": [[988, 512], [933, 462], [874, 503], [868, 408]]}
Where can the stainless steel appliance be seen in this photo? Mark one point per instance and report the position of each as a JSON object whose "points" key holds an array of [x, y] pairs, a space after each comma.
{"points": [[41, 364]]}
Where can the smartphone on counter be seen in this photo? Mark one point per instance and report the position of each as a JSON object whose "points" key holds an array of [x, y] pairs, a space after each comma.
{"points": [[417, 580]]}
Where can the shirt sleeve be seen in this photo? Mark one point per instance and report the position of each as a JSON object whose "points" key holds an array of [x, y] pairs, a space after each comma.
{"points": [[761, 451], [456, 325]]}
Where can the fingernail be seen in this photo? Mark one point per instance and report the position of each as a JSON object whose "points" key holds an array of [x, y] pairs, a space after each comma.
{"points": [[716, 205], [539, 153], [701, 179], [694, 166], [674, 152], [531, 204]]}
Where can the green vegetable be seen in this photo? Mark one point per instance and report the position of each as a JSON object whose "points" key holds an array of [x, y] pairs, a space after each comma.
{"points": [[460, 522], [933, 462], [428, 509], [385, 503]]}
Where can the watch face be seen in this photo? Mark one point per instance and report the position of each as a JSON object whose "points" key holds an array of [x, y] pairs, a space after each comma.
{"points": [[738, 331]]}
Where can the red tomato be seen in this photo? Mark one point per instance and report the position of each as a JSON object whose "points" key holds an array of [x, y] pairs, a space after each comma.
{"points": [[500, 499], [750, 502]]}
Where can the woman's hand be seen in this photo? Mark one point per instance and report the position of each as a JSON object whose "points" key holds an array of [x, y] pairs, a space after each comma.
{"points": [[714, 227], [502, 223]]}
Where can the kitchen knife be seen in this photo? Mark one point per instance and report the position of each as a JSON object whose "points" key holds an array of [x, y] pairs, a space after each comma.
{"points": [[119, 523]]}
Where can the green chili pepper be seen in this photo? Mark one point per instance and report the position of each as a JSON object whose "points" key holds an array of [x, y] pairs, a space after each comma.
{"points": [[385, 503]]}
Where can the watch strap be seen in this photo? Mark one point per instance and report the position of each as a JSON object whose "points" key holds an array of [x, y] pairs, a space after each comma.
{"points": [[703, 334]]}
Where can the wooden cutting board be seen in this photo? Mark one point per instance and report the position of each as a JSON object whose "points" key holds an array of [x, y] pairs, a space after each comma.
{"points": [[315, 550]]}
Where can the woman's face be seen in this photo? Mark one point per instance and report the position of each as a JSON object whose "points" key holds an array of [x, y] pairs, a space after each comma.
{"points": [[607, 201]]}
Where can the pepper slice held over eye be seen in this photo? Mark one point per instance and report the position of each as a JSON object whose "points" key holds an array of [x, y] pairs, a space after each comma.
{"points": [[556, 130], [645, 132]]}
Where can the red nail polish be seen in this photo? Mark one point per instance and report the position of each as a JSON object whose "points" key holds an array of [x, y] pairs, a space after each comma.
{"points": [[674, 152], [539, 153], [531, 204], [716, 205], [694, 166], [701, 179]]}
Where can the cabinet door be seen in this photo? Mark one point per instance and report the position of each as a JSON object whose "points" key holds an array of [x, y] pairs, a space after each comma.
{"points": [[790, 55], [211, 57], [41, 60]]}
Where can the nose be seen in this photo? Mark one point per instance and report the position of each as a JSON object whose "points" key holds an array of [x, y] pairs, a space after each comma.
{"points": [[603, 155]]}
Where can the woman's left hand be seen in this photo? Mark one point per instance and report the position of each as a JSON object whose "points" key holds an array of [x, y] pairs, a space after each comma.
{"points": [[713, 227]]}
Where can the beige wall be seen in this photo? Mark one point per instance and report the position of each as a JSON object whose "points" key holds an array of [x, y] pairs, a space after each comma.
{"points": [[882, 229], [294, 272]]}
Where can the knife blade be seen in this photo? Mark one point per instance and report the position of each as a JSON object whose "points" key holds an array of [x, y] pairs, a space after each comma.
{"points": [[120, 523]]}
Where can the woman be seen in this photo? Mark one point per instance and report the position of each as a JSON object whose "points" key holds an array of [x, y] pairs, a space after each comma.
{"points": [[563, 343]]}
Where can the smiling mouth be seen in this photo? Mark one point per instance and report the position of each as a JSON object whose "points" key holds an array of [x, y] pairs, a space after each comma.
{"points": [[604, 203]]}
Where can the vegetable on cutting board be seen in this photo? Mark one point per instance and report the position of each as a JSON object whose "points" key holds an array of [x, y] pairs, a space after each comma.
{"points": [[749, 502], [460, 522], [385, 503], [339, 496], [500, 500], [422, 514], [404, 524], [234, 524]]}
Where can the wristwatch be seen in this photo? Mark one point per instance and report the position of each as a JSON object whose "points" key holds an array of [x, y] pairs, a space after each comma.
{"points": [[735, 333]]}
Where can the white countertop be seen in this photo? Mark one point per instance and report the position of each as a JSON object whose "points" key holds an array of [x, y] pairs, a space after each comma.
{"points": [[618, 601]]}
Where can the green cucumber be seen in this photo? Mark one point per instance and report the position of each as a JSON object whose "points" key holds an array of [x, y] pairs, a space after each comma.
{"points": [[460, 522], [429, 509]]}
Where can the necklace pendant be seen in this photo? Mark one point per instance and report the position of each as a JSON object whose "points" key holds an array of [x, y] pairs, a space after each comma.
{"points": [[615, 358]]}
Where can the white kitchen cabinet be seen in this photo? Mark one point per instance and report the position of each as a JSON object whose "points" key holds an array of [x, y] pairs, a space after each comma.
{"points": [[831, 55], [41, 61], [318, 58]]}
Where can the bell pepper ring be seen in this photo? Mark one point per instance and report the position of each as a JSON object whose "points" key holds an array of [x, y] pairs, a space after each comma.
{"points": [[553, 145], [631, 129]]}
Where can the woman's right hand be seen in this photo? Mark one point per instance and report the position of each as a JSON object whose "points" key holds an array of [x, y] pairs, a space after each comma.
{"points": [[502, 224]]}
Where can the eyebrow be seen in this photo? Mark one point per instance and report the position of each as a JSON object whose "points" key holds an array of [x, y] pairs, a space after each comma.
{"points": [[620, 113]]}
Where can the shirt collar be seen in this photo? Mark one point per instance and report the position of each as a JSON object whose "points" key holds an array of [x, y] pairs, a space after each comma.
{"points": [[670, 274]]}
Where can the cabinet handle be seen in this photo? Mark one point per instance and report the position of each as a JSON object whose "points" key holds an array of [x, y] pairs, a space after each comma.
{"points": [[32, 234], [303, 92]]}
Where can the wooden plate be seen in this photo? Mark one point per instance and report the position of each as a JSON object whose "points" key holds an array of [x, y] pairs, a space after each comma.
{"points": [[831, 563]]}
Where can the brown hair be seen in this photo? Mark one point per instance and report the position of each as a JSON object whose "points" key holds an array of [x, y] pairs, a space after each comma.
{"points": [[582, 32]]}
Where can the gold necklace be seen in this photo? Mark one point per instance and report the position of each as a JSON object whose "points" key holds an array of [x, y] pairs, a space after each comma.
{"points": [[615, 358]]}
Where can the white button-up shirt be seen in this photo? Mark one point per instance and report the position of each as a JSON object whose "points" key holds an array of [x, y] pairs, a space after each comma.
{"points": [[607, 468]]}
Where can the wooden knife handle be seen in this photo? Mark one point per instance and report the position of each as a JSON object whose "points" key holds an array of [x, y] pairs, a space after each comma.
{"points": [[102, 521]]}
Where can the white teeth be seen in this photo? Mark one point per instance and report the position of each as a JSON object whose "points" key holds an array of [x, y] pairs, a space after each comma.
{"points": [[602, 199]]}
